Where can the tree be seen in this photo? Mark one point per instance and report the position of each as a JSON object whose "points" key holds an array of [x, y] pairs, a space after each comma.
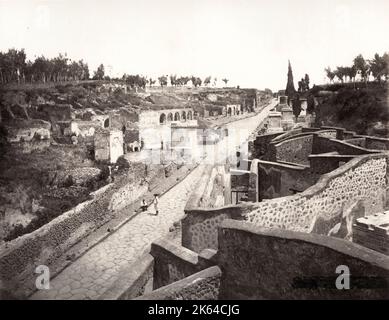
{"points": [[306, 80], [290, 90], [310, 104], [99, 73], [301, 85], [151, 82], [377, 67], [362, 67], [340, 73], [385, 57], [182, 81], [207, 81], [296, 105], [225, 81], [41, 68], [196, 81], [173, 80], [352, 73], [162, 81], [330, 74]]}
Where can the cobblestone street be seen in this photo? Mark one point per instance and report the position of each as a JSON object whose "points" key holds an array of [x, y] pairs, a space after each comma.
{"points": [[90, 275]]}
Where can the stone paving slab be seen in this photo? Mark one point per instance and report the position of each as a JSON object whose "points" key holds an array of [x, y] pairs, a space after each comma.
{"points": [[94, 272]]}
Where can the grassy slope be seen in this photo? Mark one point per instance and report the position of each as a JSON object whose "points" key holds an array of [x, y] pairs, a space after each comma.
{"points": [[364, 110]]}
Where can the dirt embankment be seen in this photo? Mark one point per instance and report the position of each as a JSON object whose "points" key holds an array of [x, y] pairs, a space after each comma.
{"points": [[364, 109]]}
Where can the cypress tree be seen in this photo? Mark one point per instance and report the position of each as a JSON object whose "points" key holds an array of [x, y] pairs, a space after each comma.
{"points": [[290, 90]]}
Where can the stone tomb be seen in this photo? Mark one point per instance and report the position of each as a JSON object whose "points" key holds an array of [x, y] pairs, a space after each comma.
{"points": [[287, 121], [373, 232], [274, 122], [108, 145]]}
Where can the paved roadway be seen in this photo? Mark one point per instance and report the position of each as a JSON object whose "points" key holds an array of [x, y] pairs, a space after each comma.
{"points": [[93, 273]]}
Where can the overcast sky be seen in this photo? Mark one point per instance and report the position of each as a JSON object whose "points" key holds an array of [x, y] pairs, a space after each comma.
{"points": [[246, 41]]}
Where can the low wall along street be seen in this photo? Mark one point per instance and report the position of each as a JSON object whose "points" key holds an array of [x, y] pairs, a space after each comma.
{"points": [[204, 285], [254, 262], [20, 257], [262, 263], [328, 207]]}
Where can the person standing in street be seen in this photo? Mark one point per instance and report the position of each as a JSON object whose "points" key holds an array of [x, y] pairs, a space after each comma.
{"points": [[156, 202]]}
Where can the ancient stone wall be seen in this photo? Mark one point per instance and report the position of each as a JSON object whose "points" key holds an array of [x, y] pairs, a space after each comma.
{"points": [[323, 145], [259, 147], [377, 143], [331, 134], [199, 227], [211, 190], [278, 180], [20, 257], [172, 262], [324, 163], [330, 206], [360, 142], [295, 150], [203, 285], [260, 263]]}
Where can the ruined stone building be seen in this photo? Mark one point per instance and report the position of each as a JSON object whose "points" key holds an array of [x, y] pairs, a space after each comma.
{"points": [[108, 145], [155, 126], [310, 196]]}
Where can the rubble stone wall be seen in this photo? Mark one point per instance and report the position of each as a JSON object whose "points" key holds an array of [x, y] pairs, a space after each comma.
{"points": [[261, 263], [203, 285], [330, 206], [295, 150], [199, 227], [20, 257]]}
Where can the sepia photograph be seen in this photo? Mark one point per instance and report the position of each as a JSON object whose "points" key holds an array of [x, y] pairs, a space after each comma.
{"points": [[207, 150]]}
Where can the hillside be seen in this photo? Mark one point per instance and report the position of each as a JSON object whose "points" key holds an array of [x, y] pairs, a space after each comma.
{"points": [[364, 109], [99, 97], [42, 172]]}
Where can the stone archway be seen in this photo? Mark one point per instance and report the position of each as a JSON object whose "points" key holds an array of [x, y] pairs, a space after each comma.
{"points": [[106, 123], [177, 116], [183, 116], [162, 118], [229, 111], [170, 117], [189, 115]]}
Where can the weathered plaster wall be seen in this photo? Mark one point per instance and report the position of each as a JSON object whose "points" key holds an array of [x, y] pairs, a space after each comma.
{"points": [[212, 189], [260, 263], [377, 143], [203, 285], [331, 134], [324, 163], [260, 146], [323, 145], [278, 180], [199, 227], [360, 142], [330, 206], [173, 262]]}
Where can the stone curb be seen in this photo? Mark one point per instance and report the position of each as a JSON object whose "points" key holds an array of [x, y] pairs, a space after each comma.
{"points": [[106, 235]]}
